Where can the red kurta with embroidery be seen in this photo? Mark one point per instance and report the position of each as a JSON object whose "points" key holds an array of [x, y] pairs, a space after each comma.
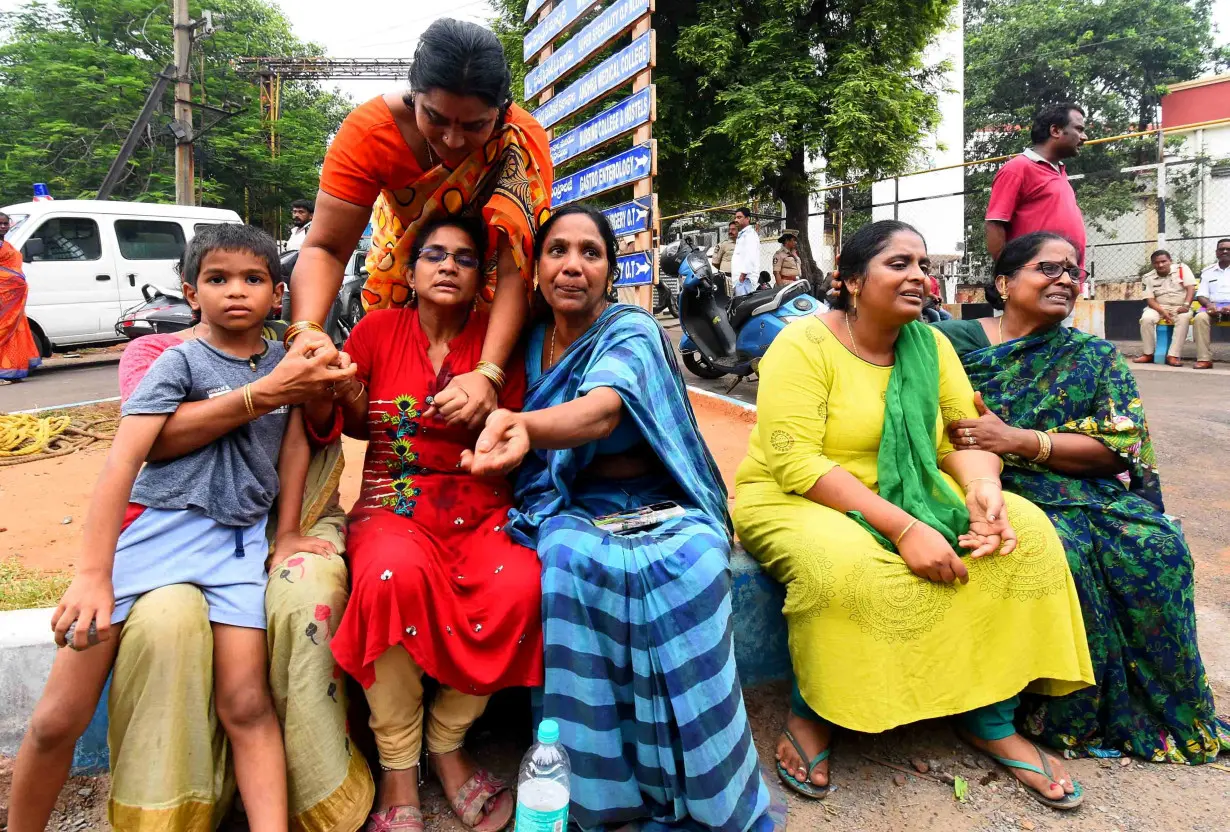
{"points": [[431, 566]]}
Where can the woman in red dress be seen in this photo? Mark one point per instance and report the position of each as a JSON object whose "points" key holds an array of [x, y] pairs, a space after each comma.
{"points": [[438, 587]]}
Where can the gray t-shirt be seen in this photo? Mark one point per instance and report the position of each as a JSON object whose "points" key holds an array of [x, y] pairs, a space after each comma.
{"points": [[233, 479]]}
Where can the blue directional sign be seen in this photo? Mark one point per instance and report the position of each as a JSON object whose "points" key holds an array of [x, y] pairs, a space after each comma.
{"points": [[531, 8], [627, 115], [635, 269], [630, 217], [603, 78], [618, 16], [617, 171], [561, 17]]}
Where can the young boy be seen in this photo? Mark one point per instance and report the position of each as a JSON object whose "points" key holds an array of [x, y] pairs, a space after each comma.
{"points": [[197, 519]]}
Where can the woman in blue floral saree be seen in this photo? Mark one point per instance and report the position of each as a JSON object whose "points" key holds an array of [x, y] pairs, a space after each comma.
{"points": [[640, 670], [1062, 408]]}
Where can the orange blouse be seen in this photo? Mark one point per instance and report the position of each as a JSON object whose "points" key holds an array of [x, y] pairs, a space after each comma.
{"points": [[369, 154]]}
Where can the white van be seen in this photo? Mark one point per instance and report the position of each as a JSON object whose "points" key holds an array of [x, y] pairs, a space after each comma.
{"points": [[86, 260]]}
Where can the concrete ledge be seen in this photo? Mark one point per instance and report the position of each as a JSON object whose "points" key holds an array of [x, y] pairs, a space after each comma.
{"points": [[27, 650], [761, 649]]}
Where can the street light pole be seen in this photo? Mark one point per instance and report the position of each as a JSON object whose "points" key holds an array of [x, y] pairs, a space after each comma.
{"points": [[185, 174]]}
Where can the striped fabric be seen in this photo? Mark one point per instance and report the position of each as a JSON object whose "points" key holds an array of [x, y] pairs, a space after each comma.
{"points": [[640, 671]]}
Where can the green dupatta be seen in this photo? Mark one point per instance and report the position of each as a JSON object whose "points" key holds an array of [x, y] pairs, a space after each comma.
{"points": [[909, 472]]}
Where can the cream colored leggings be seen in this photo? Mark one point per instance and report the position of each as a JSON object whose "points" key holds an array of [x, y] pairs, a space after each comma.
{"points": [[396, 702]]}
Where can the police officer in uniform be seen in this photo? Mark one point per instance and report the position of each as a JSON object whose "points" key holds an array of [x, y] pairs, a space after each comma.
{"points": [[725, 251], [787, 265]]}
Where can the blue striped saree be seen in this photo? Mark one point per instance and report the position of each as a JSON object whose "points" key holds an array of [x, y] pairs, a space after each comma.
{"points": [[640, 671]]}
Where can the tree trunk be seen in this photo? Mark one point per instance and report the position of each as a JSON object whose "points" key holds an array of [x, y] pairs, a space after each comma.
{"points": [[1144, 115], [792, 189]]}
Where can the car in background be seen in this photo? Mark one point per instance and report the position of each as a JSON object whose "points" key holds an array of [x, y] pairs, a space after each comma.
{"points": [[87, 260]]}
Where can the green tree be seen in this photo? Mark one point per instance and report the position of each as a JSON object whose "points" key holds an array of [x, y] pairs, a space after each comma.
{"points": [[1113, 57], [73, 78], [749, 91]]}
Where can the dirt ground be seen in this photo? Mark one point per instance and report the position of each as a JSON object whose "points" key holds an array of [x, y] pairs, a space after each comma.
{"points": [[1190, 424]]}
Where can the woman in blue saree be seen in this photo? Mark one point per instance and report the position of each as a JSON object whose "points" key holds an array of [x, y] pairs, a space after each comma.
{"points": [[640, 671], [1062, 408]]}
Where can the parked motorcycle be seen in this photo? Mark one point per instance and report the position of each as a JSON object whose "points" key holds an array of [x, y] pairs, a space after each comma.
{"points": [[723, 336], [165, 309]]}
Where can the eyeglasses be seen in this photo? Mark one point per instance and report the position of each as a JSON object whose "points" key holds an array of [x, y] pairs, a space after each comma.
{"points": [[1053, 271], [435, 254]]}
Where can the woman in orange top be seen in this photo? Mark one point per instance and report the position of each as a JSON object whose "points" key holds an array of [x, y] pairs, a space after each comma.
{"points": [[18, 351], [455, 144]]}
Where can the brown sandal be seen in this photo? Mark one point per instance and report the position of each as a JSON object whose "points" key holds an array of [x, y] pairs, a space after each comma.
{"points": [[396, 819], [484, 803]]}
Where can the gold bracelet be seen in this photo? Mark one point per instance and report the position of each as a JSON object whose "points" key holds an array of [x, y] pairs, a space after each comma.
{"points": [[1044, 447], [982, 479], [904, 532], [298, 328], [247, 401], [492, 373], [362, 390]]}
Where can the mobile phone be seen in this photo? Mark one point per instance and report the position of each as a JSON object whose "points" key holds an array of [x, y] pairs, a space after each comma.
{"points": [[639, 518]]}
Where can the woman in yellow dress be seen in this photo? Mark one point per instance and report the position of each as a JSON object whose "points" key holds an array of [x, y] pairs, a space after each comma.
{"points": [[851, 495]]}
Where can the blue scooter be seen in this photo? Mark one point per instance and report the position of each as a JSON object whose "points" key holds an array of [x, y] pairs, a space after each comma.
{"points": [[723, 336]]}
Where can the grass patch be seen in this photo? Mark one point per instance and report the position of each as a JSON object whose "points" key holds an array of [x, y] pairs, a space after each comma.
{"points": [[22, 588]]}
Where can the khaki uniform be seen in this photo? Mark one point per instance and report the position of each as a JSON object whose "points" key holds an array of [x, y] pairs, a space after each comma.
{"points": [[723, 256], [1170, 292], [787, 265]]}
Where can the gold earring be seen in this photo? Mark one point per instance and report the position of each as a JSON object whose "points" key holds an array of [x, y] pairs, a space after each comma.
{"points": [[854, 301]]}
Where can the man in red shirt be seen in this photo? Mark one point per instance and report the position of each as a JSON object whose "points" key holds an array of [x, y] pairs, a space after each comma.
{"points": [[1031, 192]]}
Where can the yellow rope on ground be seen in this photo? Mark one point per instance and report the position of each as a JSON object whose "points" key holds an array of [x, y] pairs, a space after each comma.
{"points": [[25, 437], [22, 434]]}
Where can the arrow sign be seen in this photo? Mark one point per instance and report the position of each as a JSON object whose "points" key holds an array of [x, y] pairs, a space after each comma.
{"points": [[603, 78], [630, 217], [635, 269], [615, 172], [627, 115], [605, 27], [560, 18]]}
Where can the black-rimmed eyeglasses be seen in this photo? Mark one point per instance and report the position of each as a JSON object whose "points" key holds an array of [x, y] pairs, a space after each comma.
{"points": [[435, 254], [1053, 271]]}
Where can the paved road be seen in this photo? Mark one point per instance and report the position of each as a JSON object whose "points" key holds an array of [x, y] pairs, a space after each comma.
{"points": [[49, 387]]}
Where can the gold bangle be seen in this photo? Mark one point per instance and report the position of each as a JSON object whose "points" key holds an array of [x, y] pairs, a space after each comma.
{"points": [[247, 401], [362, 390], [983, 479], [1044, 447], [492, 373], [904, 532], [298, 328]]}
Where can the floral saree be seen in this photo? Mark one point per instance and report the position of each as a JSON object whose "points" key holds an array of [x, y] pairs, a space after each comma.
{"points": [[1132, 566]]}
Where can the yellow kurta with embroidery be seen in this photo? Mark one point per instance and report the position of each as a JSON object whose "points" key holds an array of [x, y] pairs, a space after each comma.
{"points": [[873, 645]]}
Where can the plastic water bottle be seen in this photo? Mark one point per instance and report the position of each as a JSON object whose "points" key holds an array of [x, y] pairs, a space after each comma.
{"points": [[542, 786]]}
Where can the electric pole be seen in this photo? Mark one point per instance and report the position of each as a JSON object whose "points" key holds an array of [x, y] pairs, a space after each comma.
{"points": [[185, 174]]}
